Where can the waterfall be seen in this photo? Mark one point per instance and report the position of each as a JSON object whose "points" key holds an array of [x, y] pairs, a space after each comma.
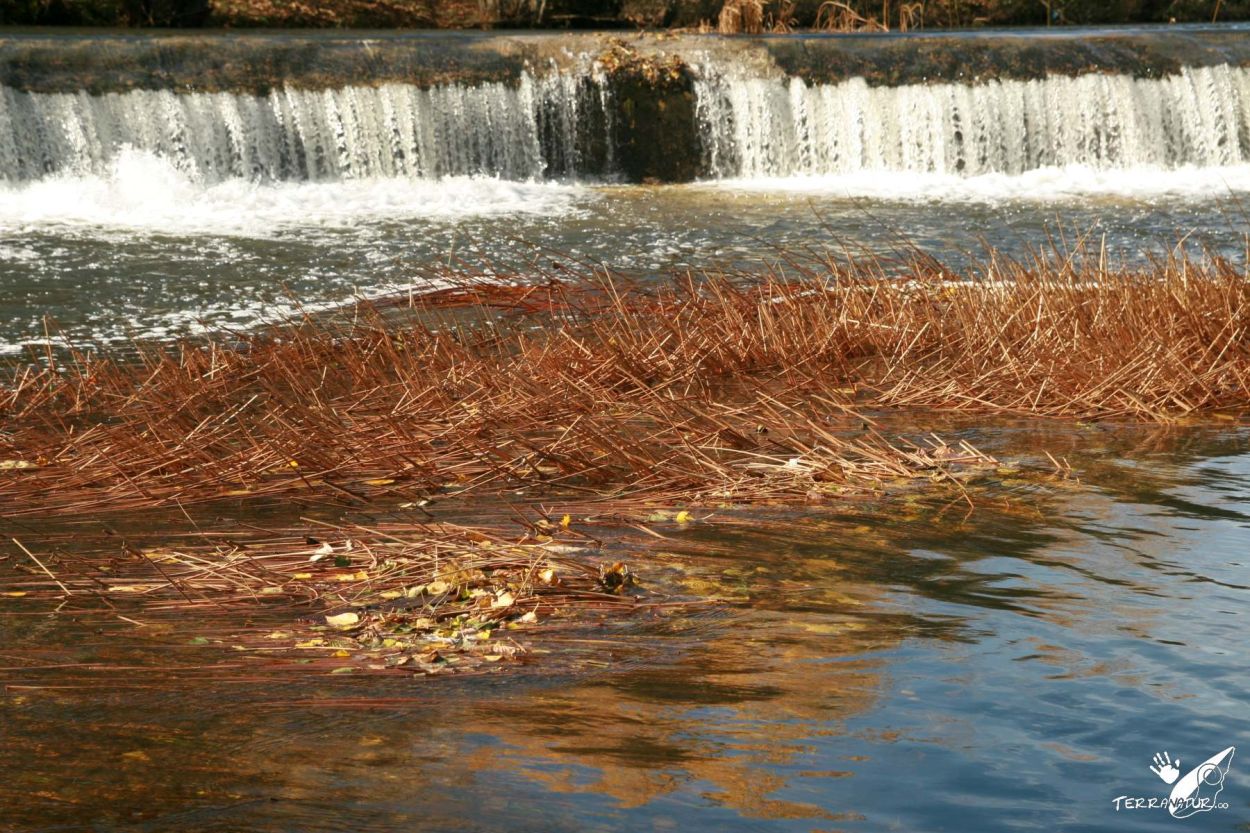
{"points": [[563, 125], [753, 128], [537, 128]]}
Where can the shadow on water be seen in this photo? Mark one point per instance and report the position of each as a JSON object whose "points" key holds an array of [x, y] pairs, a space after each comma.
{"points": [[913, 666]]}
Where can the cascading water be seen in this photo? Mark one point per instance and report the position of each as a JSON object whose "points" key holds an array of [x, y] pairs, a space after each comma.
{"points": [[562, 125], [753, 128], [537, 128], [154, 186]]}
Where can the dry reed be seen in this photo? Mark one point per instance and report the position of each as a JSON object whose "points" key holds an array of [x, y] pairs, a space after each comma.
{"points": [[697, 390], [726, 387]]}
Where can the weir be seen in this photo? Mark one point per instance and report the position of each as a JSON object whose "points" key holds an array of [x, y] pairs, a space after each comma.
{"points": [[666, 109]]}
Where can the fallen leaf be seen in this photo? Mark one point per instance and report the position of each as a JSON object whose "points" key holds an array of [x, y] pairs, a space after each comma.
{"points": [[381, 481], [683, 517], [529, 618], [344, 670], [343, 620], [16, 464], [321, 552], [341, 653], [15, 594], [566, 521], [504, 599], [302, 576]]}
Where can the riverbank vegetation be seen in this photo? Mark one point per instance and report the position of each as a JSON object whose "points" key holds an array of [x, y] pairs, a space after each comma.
{"points": [[570, 400], [731, 16]]}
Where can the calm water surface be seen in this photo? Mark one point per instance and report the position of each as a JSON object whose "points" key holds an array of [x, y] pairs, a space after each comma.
{"points": [[909, 667]]}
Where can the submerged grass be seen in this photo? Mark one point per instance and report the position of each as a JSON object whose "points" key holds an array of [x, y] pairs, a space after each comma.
{"points": [[587, 388]]}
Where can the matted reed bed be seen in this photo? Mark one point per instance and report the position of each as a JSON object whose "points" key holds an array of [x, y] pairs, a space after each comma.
{"points": [[582, 387]]}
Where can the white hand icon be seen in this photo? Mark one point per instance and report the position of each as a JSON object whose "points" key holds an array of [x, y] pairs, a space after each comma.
{"points": [[1166, 768]]}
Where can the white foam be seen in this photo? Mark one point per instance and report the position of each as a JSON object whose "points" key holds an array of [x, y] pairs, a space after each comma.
{"points": [[1041, 185], [143, 193], [240, 315]]}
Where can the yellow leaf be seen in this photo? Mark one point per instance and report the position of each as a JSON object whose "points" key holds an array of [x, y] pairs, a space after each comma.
{"points": [[343, 620], [390, 594], [504, 599], [566, 520], [437, 588], [270, 591], [16, 593], [341, 653], [382, 481], [239, 492], [312, 643], [683, 517], [492, 657], [16, 464], [293, 464], [361, 576], [346, 670], [302, 576]]}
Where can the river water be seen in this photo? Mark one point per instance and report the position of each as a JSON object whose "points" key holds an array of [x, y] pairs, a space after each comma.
{"points": [[150, 213], [899, 667], [904, 666], [144, 253]]}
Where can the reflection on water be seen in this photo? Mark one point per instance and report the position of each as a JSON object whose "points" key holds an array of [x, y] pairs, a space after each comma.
{"points": [[912, 667]]}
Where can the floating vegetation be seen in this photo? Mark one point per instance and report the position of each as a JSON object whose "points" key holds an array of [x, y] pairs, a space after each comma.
{"points": [[628, 398], [691, 393], [403, 598]]}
